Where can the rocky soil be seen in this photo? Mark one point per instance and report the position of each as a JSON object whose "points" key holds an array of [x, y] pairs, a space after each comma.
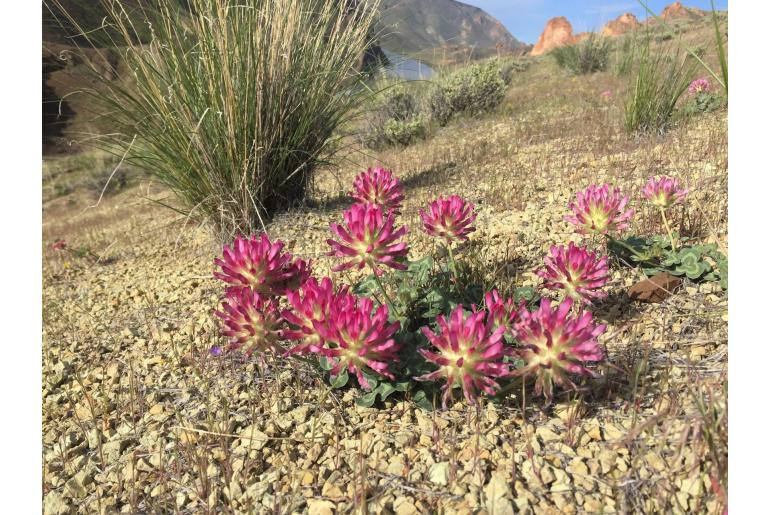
{"points": [[138, 417]]}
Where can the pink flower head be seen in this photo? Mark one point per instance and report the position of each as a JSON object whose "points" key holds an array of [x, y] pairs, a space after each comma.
{"points": [[380, 187], [599, 210], [555, 343], [606, 94], [500, 313], [449, 218], [261, 265], [368, 238], [357, 339], [576, 271], [59, 245], [250, 321], [664, 192], [309, 308], [701, 85], [469, 354]]}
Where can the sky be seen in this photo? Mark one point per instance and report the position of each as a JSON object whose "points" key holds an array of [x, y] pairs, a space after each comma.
{"points": [[525, 19]]}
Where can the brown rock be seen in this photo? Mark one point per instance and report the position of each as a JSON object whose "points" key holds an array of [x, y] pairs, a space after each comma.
{"points": [[677, 10], [557, 32], [620, 25], [580, 36], [654, 289]]}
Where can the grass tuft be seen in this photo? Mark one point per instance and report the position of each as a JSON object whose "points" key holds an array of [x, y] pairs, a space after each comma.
{"points": [[655, 85], [233, 105], [588, 56]]}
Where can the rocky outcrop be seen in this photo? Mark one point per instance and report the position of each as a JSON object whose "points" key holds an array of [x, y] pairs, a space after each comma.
{"points": [[624, 23], [675, 10], [557, 32], [678, 11]]}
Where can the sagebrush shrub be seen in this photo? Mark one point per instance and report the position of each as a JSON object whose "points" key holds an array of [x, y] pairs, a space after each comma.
{"points": [[510, 67], [401, 106], [405, 132], [440, 108], [475, 89], [588, 56], [396, 119]]}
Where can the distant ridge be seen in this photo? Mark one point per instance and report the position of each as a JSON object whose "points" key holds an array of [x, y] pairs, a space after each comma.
{"points": [[443, 29]]}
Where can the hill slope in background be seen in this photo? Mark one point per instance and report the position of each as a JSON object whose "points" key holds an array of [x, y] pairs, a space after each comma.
{"points": [[443, 31]]}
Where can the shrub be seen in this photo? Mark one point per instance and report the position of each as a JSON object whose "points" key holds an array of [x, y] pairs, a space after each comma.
{"points": [[475, 89], [96, 173], [656, 83], [406, 132], [440, 108], [588, 56], [232, 108], [510, 67], [395, 120], [401, 106]]}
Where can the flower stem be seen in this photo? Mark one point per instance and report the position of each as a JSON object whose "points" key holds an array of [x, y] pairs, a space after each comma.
{"points": [[627, 247], [668, 229], [452, 263], [305, 360], [384, 291]]}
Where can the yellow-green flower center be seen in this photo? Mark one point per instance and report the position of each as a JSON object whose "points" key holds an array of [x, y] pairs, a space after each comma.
{"points": [[598, 218]]}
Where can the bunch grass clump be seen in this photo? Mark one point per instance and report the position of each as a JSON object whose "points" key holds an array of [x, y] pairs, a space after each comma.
{"points": [[588, 56], [231, 105], [625, 51], [655, 85]]}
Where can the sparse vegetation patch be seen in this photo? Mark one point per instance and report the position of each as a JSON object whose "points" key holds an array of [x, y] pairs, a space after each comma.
{"points": [[588, 56]]}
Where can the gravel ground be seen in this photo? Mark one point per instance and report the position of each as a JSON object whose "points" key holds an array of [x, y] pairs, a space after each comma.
{"points": [[139, 418]]}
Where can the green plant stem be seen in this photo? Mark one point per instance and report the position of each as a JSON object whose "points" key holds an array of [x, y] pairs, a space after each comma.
{"points": [[452, 263], [668, 229], [384, 292], [627, 247], [305, 360]]}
